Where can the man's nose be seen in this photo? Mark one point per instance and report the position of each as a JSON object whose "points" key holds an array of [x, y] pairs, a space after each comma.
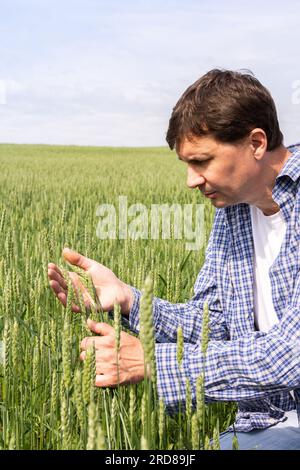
{"points": [[194, 178]]}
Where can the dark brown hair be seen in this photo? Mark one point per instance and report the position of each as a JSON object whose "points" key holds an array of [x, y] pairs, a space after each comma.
{"points": [[226, 105]]}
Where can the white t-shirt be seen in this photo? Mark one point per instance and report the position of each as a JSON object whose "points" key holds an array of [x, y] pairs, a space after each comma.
{"points": [[268, 234]]}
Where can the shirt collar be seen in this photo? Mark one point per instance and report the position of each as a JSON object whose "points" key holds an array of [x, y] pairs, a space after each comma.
{"points": [[291, 167], [286, 182]]}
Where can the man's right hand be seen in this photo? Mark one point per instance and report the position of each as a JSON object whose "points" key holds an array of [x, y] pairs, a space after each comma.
{"points": [[109, 288]]}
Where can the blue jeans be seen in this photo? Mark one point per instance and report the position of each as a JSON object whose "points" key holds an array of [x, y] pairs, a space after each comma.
{"points": [[282, 436]]}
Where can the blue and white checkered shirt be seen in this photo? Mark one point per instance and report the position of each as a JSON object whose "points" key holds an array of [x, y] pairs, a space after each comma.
{"points": [[258, 370]]}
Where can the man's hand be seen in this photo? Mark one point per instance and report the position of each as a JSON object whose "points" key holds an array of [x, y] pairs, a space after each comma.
{"points": [[109, 288], [109, 373]]}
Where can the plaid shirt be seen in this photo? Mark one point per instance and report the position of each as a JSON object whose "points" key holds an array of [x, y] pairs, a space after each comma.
{"points": [[258, 370]]}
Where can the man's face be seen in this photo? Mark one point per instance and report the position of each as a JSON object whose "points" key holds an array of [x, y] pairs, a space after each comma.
{"points": [[226, 173]]}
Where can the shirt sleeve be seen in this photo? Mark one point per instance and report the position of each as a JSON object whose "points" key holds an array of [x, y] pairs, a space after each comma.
{"points": [[167, 317], [252, 367]]}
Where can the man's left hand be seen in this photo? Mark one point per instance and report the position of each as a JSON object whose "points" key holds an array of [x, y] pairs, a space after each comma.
{"points": [[130, 362]]}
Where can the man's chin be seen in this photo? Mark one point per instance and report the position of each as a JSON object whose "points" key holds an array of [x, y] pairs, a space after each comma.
{"points": [[219, 203]]}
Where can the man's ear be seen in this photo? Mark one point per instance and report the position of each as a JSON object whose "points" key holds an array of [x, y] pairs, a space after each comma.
{"points": [[258, 142]]}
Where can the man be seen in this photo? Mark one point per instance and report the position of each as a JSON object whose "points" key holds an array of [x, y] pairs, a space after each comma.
{"points": [[225, 129]]}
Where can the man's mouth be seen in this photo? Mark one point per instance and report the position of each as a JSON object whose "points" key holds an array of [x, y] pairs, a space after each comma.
{"points": [[210, 194]]}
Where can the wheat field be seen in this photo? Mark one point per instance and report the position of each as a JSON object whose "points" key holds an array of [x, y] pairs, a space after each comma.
{"points": [[48, 200]]}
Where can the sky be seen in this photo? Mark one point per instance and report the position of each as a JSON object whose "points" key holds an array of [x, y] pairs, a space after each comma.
{"points": [[108, 73]]}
